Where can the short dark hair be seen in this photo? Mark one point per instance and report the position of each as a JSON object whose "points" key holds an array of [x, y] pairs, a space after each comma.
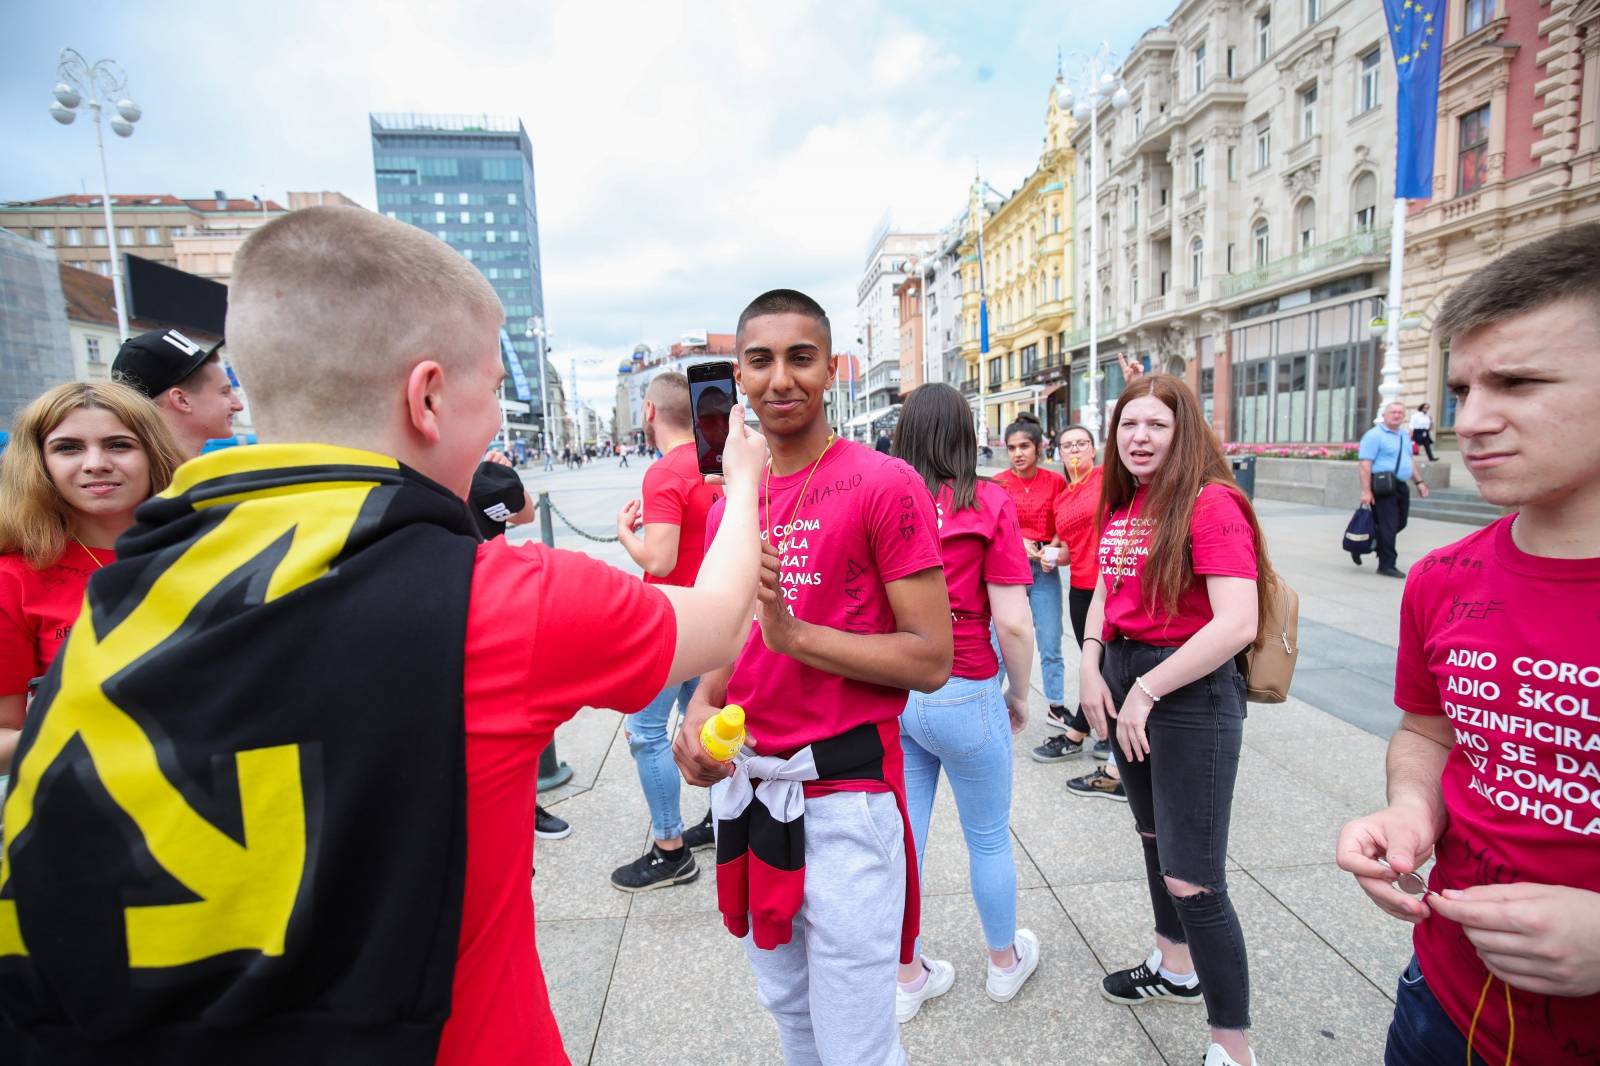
{"points": [[786, 302], [1562, 266]]}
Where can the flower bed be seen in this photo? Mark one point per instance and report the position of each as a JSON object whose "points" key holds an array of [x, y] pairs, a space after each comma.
{"points": [[1292, 451]]}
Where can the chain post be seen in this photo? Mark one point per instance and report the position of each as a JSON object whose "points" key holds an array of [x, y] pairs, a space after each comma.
{"points": [[553, 773]]}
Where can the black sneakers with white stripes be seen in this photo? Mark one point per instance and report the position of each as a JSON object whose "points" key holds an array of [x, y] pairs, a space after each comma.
{"points": [[1143, 984]]}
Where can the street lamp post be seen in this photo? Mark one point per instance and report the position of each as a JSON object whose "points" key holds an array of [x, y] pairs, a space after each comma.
{"points": [[96, 86], [1097, 83], [536, 331]]}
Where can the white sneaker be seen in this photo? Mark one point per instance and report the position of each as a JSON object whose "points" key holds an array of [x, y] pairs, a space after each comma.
{"points": [[941, 975], [1002, 986], [1215, 1056]]}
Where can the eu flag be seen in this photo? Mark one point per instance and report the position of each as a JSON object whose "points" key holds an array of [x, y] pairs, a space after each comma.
{"points": [[1416, 35]]}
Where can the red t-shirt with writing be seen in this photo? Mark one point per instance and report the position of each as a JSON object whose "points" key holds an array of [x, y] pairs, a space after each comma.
{"points": [[37, 610], [1076, 526], [1503, 643], [1221, 544], [865, 520], [530, 665], [1036, 501], [676, 494], [981, 547]]}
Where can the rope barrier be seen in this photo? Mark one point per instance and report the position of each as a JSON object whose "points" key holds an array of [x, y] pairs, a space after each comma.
{"points": [[582, 533]]}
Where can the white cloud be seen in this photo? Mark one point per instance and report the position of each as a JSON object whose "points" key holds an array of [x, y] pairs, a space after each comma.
{"points": [[687, 156]]}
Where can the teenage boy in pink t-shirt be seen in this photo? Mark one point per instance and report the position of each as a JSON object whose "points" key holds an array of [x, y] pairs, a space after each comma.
{"points": [[815, 873], [1495, 769]]}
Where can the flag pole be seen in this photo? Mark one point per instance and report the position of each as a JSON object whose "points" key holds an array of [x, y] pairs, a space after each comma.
{"points": [[1389, 387], [983, 320]]}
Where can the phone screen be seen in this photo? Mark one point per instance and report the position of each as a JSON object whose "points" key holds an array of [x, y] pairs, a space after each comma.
{"points": [[711, 396]]}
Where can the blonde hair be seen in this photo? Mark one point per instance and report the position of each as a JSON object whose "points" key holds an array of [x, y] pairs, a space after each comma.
{"points": [[329, 308], [34, 519]]}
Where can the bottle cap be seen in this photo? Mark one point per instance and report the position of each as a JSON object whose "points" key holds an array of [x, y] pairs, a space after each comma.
{"points": [[729, 722]]}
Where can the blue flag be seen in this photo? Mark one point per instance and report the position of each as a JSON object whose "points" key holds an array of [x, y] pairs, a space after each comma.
{"points": [[983, 326], [1416, 35], [519, 379]]}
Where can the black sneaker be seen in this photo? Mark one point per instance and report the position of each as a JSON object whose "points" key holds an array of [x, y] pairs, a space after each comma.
{"points": [[1057, 716], [1102, 750], [701, 835], [656, 869], [547, 826], [1391, 571], [1143, 984], [1057, 748], [1098, 784]]}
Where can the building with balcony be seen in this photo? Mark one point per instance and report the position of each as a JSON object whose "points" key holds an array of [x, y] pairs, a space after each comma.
{"points": [[1026, 278], [641, 367], [1237, 203], [1517, 157]]}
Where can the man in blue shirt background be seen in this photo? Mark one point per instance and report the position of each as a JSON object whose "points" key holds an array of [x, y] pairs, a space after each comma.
{"points": [[1386, 449]]}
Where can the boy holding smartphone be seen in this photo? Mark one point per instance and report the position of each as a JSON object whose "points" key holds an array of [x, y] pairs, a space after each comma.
{"points": [[853, 613], [326, 699]]}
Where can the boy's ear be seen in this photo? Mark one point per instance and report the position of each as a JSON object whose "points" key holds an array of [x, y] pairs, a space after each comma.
{"points": [[424, 386]]}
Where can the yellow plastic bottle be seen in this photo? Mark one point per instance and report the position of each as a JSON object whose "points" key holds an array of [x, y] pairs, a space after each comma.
{"points": [[723, 734]]}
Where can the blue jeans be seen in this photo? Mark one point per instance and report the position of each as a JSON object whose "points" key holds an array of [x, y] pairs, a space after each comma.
{"points": [[1422, 1034], [1044, 598], [964, 728], [652, 757]]}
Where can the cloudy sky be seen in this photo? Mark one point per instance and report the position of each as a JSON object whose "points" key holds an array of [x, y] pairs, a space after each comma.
{"points": [[687, 155]]}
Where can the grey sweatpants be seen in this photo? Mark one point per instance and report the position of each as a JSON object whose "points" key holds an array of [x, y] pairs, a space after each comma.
{"points": [[831, 987]]}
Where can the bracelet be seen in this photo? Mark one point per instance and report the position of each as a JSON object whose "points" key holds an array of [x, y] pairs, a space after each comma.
{"points": [[1097, 640], [1146, 690]]}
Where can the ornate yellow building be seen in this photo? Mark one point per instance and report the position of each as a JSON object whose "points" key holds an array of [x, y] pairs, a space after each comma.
{"points": [[1026, 241]]}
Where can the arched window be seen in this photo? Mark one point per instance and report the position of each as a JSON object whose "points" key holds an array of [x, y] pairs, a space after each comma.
{"points": [[1261, 243], [1364, 198], [1197, 261], [1305, 223]]}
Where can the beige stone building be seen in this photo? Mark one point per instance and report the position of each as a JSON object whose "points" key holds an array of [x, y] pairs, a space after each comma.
{"points": [[1516, 158], [1240, 202]]}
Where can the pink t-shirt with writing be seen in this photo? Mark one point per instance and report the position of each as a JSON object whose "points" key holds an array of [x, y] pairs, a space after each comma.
{"points": [[864, 520], [982, 546], [1222, 543], [1504, 644]]}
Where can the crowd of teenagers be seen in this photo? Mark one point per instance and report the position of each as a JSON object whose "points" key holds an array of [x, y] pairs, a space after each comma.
{"points": [[273, 714]]}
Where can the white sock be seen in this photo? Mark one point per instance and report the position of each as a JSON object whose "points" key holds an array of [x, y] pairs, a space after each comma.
{"points": [[1183, 980]]}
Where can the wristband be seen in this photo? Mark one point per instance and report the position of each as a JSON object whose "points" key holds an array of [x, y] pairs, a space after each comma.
{"points": [[1097, 640], [1146, 690]]}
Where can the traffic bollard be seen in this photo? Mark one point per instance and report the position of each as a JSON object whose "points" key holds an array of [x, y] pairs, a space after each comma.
{"points": [[553, 773]]}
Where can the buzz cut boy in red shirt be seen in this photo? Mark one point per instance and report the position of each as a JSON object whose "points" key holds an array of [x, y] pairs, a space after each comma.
{"points": [[1495, 770], [342, 809], [813, 867]]}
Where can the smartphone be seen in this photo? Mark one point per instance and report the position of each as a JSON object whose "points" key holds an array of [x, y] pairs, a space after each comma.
{"points": [[711, 397]]}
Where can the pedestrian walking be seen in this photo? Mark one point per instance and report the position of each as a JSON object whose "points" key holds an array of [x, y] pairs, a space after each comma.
{"points": [[318, 627], [883, 444], [852, 615], [1492, 771], [81, 457], [1034, 489], [1422, 431], [1183, 570], [671, 514], [964, 729], [1385, 471]]}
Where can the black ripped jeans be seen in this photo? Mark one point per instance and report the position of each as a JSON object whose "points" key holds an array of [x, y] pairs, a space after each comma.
{"points": [[1181, 796]]}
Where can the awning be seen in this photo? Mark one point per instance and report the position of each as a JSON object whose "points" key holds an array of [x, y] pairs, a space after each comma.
{"points": [[1050, 389], [868, 418], [1025, 393]]}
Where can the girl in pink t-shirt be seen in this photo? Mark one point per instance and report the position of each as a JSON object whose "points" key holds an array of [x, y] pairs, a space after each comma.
{"points": [[962, 728], [1177, 598]]}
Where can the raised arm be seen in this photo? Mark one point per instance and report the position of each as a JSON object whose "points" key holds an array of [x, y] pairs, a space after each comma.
{"points": [[713, 617]]}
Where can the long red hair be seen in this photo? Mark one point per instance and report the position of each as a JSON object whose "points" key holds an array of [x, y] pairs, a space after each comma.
{"points": [[1194, 461]]}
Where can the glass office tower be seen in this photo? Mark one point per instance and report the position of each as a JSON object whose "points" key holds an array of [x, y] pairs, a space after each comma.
{"points": [[468, 180]]}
